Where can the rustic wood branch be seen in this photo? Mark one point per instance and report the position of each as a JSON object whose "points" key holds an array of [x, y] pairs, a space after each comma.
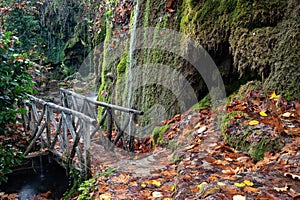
{"points": [[98, 103], [65, 110]]}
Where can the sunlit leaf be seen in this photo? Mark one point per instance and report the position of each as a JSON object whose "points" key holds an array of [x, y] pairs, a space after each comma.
{"points": [[211, 190], [201, 187], [221, 184], [274, 96], [156, 183], [248, 183], [253, 122], [105, 197], [263, 114], [287, 114], [242, 184], [157, 194], [173, 187], [239, 197]]}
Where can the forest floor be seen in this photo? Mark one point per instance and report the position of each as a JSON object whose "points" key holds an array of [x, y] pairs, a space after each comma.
{"points": [[193, 161]]}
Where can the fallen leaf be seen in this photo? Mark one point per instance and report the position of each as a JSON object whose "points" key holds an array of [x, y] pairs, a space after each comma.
{"points": [[156, 183], [221, 162], [251, 190], [239, 197], [274, 96], [201, 187], [263, 114], [242, 184], [105, 197], [190, 147], [293, 176], [202, 129], [221, 184], [292, 131], [282, 189], [253, 122], [248, 183], [297, 106], [211, 190], [286, 114], [173, 187], [157, 194]]}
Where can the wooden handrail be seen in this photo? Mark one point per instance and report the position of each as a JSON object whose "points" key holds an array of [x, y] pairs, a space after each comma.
{"points": [[102, 104], [65, 110]]}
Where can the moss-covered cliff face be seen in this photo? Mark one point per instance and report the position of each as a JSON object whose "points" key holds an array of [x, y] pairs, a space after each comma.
{"points": [[249, 39], [54, 31], [134, 75]]}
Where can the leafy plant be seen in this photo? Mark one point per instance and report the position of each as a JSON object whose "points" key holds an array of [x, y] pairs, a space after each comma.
{"points": [[15, 82], [9, 157]]}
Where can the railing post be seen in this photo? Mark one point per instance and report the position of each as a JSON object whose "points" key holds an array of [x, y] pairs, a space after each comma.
{"points": [[109, 123], [87, 146]]}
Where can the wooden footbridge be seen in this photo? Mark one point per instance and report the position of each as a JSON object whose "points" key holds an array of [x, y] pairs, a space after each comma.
{"points": [[67, 130]]}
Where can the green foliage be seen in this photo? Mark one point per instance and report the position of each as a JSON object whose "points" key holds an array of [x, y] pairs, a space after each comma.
{"points": [[85, 188], [9, 157], [15, 82], [157, 134], [24, 23]]}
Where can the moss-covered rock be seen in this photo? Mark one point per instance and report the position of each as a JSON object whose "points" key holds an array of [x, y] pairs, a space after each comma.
{"points": [[157, 134], [260, 38]]}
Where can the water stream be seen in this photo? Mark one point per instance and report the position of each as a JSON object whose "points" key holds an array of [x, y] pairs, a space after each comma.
{"points": [[42, 176], [35, 178], [132, 65], [132, 61]]}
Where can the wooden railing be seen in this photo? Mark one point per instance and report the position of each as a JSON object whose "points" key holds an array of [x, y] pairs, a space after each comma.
{"points": [[52, 129], [68, 130], [89, 107]]}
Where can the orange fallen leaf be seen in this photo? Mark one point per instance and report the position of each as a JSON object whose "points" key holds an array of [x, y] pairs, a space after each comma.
{"points": [[251, 190]]}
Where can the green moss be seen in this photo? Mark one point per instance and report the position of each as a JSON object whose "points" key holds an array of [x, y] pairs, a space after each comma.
{"points": [[147, 12], [123, 65], [265, 144], [248, 87], [157, 134], [242, 138], [224, 120], [203, 103]]}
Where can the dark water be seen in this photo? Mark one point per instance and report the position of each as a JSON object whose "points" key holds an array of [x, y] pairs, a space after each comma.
{"points": [[43, 178]]}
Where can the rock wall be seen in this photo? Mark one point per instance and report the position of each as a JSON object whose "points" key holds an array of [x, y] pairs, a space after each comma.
{"points": [[248, 40], [251, 40]]}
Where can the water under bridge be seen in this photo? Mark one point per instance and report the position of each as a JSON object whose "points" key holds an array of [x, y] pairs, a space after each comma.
{"points": [[69, 130]]}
